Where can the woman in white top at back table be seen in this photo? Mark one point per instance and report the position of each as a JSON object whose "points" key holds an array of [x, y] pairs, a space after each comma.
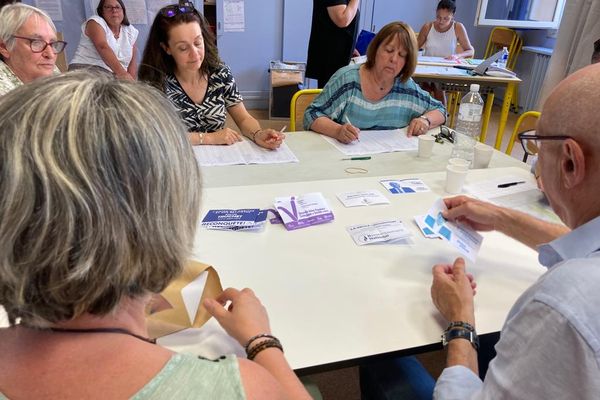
{"points": [[440, 37], [108, 42]]}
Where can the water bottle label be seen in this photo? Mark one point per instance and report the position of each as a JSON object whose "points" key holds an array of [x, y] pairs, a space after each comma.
{"points": [[470, 112]]}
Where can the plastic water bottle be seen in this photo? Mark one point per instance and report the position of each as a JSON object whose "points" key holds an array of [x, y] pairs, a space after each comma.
{"points": [[468, 125], [503, 58]]}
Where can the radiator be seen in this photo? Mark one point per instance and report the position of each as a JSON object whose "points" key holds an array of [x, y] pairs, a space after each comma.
{"points": [[537, 73]]}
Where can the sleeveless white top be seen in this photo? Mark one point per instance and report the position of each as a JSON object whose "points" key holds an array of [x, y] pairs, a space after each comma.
{"points": [[86, 52], [440, 44]]}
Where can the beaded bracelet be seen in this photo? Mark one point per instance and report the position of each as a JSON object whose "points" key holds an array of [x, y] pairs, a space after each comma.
{"points": [[260, 335], [263, 346]]}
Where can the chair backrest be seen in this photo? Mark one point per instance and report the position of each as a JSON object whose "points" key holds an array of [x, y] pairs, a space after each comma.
{"points": [[504, 37], [298, 105], [526, 122], [61, 59]]}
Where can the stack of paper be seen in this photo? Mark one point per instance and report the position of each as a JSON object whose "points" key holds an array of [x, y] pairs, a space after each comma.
{"points": [[385, 232], [303, 211], [252, 219]]}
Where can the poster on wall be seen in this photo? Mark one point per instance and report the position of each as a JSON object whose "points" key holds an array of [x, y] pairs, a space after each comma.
{"points": [[233, 16], [52, 7]]}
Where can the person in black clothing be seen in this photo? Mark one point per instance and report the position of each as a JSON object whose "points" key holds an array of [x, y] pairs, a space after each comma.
{"points": [[332, 37]]}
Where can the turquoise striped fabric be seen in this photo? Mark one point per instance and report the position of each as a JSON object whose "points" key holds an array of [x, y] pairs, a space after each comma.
{"points": [[342, 98]]}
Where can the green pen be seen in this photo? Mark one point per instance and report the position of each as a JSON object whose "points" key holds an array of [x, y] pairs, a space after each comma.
{"points": [[356, 158]]}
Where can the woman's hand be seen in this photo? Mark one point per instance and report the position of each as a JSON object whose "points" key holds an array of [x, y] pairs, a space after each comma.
{"points": [[347, 133], [244, 318], [224, 136], [269, 138], [417, 126]]}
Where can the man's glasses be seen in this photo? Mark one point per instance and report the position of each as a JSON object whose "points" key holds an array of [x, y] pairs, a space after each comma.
{"points": [[39, 45], [175, 9], [531, 142], [113, 8]]}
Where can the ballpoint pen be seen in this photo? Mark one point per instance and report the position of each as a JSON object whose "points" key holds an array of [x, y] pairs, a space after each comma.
{"points": [[348, 121], [356, 158], [509, 184], [283, 129]]}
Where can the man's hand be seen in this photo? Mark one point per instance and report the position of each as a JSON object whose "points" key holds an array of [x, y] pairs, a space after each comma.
{"points": [[452, 292], [477, 214]]}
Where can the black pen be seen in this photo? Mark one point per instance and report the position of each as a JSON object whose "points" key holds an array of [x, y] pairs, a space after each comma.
{"points": [[509, 184], [356, 158]]}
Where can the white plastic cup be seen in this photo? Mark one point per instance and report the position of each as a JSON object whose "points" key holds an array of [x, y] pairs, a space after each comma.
{"points": [[483, 155], [425, 145], [455, 178], [460, 162]]}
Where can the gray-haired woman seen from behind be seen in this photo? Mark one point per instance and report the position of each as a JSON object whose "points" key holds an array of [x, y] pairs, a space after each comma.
{"points": [[99, 200]]}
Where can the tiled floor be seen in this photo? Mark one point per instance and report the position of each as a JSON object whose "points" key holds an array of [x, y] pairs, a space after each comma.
{"points": [[344, 383]]}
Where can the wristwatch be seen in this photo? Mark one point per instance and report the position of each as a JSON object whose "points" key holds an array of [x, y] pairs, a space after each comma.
{"points": [[459, 332], [426, 119]]}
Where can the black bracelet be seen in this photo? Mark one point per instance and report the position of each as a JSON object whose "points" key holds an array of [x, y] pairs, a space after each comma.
{"points": [[263, 346], [460, 324], [260, 335], [254, 135]]}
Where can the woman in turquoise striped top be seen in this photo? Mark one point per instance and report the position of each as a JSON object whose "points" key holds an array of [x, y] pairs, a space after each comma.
{"points": [[379, 94]]}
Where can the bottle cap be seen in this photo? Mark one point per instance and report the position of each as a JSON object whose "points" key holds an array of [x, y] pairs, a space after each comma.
{"points": [[474, 87]]}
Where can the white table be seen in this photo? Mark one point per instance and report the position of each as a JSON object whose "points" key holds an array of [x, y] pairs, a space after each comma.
{"points": [[333, 303]]}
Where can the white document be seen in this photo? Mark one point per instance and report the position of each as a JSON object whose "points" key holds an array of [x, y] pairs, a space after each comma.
{"points": [[52, 7], [137, 12], [244, 152], [410, 185], [362, 198], [374, 142], [192, 293], [233, 16], [439, 70], [390, 232], [463, 238]]}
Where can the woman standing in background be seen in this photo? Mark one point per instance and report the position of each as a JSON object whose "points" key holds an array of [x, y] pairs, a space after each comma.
{"points": [[108, 42]]}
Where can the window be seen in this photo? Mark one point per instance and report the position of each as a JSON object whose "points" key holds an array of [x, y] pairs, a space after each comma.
{"points": [[536, 14]]}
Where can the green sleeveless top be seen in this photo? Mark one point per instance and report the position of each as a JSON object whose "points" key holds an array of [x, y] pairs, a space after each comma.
{"points": [[186, 376]]}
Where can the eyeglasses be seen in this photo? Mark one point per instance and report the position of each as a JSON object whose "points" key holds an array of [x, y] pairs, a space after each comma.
{"points": [[113, 8], [531, 142], [39, 45], [184, 7]]}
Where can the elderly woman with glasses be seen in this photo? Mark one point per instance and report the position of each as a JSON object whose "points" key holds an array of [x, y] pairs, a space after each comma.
{"points": [[107, 42], [377, 95], [181, 59], [28, 46], [92, 226]]}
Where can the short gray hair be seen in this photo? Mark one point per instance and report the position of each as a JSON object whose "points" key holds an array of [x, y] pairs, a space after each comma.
{"points": [[12, 18], [99, 196]]}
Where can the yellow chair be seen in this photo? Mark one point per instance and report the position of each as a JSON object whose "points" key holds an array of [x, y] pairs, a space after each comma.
{"points": [[300, 101], [526, 122]]}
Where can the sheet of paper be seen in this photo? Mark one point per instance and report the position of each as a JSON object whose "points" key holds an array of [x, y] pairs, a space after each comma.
{"points": [[233, 16], [192, 293], [525, 197], [463, 238], [374, 142], [439, 70], [392, 232], [425, 230], [410, 185], [244, 152], [362, 198], [137, 12], [52, 7], [303, 211]]}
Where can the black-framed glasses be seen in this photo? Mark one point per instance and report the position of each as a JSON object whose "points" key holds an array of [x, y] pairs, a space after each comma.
{"points": [[113, 8], [38, 45], [531, 142], [184, 7]]}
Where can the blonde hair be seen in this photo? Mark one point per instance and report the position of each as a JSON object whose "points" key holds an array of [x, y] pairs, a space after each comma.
{"points": [[408, 40], [99, 196]]}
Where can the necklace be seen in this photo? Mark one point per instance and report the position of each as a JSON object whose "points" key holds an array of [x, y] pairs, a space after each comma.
{"points": [[103, 330], [381, 88]]}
